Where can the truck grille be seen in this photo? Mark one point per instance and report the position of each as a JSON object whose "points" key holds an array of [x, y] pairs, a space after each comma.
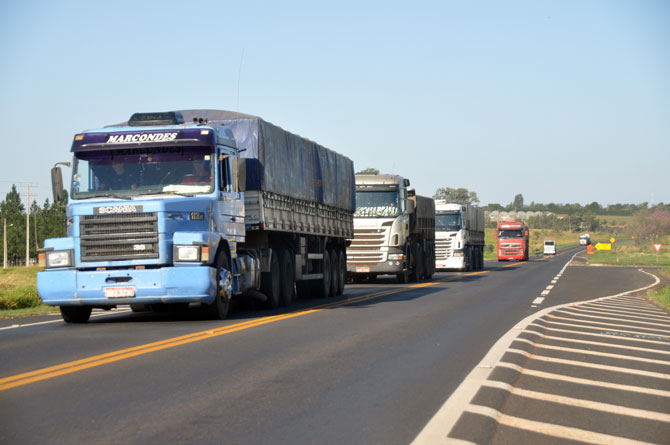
{"points": [[443, 248], [128, 236], [365, 248]]}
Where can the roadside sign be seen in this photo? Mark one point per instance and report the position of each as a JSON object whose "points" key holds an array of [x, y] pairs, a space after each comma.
{"points": [[658, 247], [604, 246], [612, 240], [590, 249]]}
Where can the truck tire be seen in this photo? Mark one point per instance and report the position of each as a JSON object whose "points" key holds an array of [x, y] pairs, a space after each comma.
{"points": [[416, 272], [271, 282], [218, 309], [342, 270], [140, 307], [322, 285], [334, 272], [287, 278], [76, 314], [429, 265]]}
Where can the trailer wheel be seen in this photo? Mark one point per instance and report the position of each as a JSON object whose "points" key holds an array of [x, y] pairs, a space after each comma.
{"points": [[419, 263], [429, 265], [287, 278], [271, 282], [322, 285], [218, 309], [76, 314], [342, 271], [416, 273], [334, 272]]}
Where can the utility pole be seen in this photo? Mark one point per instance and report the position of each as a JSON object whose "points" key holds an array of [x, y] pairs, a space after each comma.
{"points": [[4, 246], [28, 187]]}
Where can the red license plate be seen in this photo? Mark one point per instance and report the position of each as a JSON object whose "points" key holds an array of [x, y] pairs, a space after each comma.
{"points": [[362, 269], [119, 292]]}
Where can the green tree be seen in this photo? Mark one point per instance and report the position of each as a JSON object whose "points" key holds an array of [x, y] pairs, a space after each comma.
{"points": [[459, 196], [368, 171], [518, 202], [12, 210]]}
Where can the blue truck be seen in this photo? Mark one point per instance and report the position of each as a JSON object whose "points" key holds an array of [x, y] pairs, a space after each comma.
{"points": [[198, 207]]}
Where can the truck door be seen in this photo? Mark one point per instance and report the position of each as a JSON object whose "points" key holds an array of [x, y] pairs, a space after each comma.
{"points": [[229, 212]]}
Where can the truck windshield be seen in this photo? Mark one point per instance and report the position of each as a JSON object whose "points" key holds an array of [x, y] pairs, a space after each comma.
{"points": [[449, 222], [377, 204], [142, 171], [510, 233]]}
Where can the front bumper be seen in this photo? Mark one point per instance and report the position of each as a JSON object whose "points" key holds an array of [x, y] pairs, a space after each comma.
{"points": [[165, 285], [450, 263], [387, 268]]}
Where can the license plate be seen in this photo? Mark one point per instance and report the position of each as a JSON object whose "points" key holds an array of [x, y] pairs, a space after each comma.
{"points": [[362, 269], [119, 292]]}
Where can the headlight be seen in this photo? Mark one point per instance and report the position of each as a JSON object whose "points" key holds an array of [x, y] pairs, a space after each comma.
{"points": [[59, 258], [395, 256], [187, 253]]}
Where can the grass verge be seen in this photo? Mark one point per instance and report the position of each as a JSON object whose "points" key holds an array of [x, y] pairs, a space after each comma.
{"points": [[662, 296], [18, 293]]}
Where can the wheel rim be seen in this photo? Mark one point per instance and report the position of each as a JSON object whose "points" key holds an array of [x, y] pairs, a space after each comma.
{"points": [[225, 284]]}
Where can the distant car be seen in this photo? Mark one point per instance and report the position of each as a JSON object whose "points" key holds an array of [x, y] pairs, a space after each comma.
{"points": [[550, 247]]}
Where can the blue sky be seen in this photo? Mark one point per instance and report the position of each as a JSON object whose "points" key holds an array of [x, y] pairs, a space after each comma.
{"points": [[564, 101]]}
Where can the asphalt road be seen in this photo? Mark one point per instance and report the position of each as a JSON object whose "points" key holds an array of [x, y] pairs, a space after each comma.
{"points": [[374, 366]]}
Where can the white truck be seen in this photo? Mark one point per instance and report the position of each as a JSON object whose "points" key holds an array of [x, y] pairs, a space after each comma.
{"points": [[394, 230], [585, 240], [459, 236]]}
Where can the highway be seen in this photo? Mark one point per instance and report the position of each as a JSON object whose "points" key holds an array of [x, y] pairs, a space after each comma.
{"points": [[479, 357]]}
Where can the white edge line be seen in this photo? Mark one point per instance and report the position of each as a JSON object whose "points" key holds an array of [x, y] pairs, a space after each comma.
{"points": [[438, 428], [60, 320]]}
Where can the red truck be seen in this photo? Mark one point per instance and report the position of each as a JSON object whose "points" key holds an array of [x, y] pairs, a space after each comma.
{"points": [[512, 241]]}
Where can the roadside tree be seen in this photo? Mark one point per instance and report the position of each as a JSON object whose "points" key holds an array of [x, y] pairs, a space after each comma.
{"points": [[459, 196]]}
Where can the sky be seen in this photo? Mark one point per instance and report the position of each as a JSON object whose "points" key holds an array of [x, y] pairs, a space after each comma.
{"points": [[560, 101]]}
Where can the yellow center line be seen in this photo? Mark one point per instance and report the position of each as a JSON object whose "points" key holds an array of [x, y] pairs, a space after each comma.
{"points": [[424, 284], [123, 354]]}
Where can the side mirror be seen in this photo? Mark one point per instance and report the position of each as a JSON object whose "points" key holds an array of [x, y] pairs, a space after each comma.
{"points": [[411, 206], [57, 184], [240, 166]]}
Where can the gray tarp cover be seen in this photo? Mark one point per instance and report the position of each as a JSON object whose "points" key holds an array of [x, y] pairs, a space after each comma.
{"points": [[285, 163]]}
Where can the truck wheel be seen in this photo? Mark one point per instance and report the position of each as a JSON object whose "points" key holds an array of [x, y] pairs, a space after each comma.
{"points": [[334, 272], [342, 270], [429, 266], [271, 282], [322, 285], [403, 277], [415, 274], [140, 307], [287, 278], [76, 314], [218, 309]]}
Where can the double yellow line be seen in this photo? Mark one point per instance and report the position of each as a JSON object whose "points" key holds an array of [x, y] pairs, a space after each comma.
{"points": [[123, 354]]}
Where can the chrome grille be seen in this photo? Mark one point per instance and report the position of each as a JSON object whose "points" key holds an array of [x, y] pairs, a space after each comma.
{"points": [[127, 236], [365, 248], [443, 248]]}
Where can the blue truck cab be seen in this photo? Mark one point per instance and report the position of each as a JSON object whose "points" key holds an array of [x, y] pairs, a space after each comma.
{"points": [[155, 216]]}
